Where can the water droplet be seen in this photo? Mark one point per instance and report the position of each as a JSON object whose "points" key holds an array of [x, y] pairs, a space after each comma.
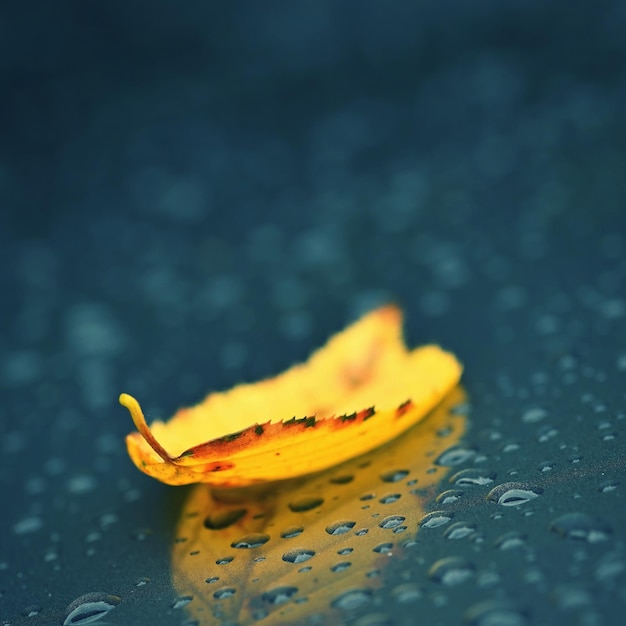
{"points": [[547, 466], [451, 571], [224, 592], [298, 555], [140, 582], [279, 595], [511, 541], [305, 504], [494, 613], [581, 527], [340, 567], [545, 433], [212, 579], [291, 532], [28, 525], [352, 599], [608, 485], [393, 476], [390, 498], [340, 528], [473, 476], [610, 566], [407, 592], [181, 601], [224, 520], [224, 560], [32, 610], [391, 521], [383, 548], [89, 608], [345, 551], [253, 540], [342, 480], [571, 596], [459, 530], [536, 414], [456, 455], [450, 496], [513, 494], [435, 519], [368, 496]]}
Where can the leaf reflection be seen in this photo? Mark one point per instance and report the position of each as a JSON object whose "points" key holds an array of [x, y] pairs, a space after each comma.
{"points": [[312, 546]]}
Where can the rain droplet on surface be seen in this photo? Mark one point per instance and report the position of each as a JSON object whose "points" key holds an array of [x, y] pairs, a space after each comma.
{"points": [[305, 504], [340, 567], [511, 541], [340, 528], [451, 571], [435, 519], [533, 415], [279, 595], [251, 541], [391, 521], [459, 530], [224, 592], [407, 592], [390, 498], [473, 476], [393, 476], [383, 548], [571, 596], [181, 601], [581, 527], [33, 609], [353, 599], [89, 608], [450, 496], [224, 560], [494, 613], [457, 455], [223, 520], [291, 532], [298, 555], [513, 494]]}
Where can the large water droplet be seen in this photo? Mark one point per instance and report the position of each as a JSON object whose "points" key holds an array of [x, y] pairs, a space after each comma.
{"points": [[352, 599], [451, 571], [581, 527], [279, 595], [89, 608], [305, 504], [298, 555], [251, 541], [450, 496], [513, 494], [340, 528], [218, 521]]}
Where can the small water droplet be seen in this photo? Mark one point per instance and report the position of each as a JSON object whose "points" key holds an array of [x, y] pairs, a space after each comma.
{"points": [[253, 540], [391, 521], [224, 592], [545, 433], [212, 579], [305, 504], [33, 609], [352, 599], [547, 466], [224, 560], [89, 608], [451, 571], [340, 528], [581, 527], [383, 548], [456, 455], [473, 476], [393, 476], [342, 480], [459, 530], [390, 498], [218, 521], [298, 555], [536, 414], [608, 485], [140, 582], [345, 551], [494, 613], [435, 519], [571, 596], [368, 496], [513, 494], [340, 567], [511, 541], [291, 532], [450, 496], [181, 601], [407, 592], [279, 595]]}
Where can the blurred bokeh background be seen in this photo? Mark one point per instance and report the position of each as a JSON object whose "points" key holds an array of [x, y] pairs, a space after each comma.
{"points": [[193, 194]]}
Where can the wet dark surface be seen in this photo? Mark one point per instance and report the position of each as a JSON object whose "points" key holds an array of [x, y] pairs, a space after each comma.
{"points": [[192, 197]]}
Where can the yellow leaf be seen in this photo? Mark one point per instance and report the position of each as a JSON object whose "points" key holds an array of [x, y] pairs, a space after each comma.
{"points": [[361, 390], [309, 550]]}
